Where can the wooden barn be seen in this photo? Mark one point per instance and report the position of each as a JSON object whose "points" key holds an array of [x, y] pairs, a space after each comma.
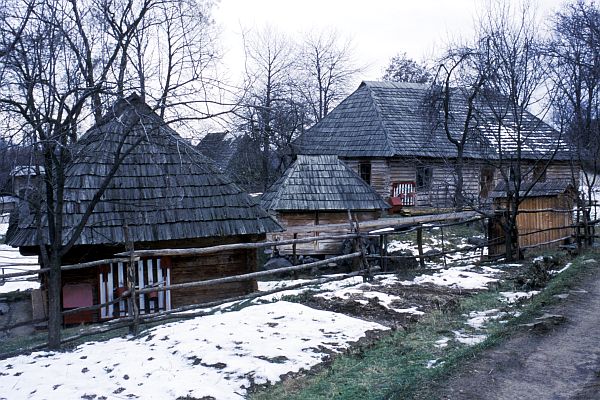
{"points": [[165, 194], [317, 190], [388, 133], [550, 227]]}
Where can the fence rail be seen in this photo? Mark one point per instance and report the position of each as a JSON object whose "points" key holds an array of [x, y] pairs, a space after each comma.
{"points": [[358, 235]]}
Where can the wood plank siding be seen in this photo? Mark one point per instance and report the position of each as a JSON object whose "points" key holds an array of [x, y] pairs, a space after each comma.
{"points": [[386, 172], [314, 219], [536, 228], [194, 268]]}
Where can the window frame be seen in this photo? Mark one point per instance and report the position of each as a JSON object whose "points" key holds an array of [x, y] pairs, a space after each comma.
{"points": [[365, 171], [424, 177]]}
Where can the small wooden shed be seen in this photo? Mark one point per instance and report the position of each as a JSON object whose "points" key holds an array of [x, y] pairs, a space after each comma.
{"points": [[165, 194], [317, 190], [548, 227]]}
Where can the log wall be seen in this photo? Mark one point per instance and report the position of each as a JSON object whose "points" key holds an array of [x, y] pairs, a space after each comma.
{"points": [[384, 172], [183, 269], [200, 268], [314, 219]]}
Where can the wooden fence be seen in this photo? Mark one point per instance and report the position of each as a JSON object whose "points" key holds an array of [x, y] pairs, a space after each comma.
{"points": [[363, 264]]}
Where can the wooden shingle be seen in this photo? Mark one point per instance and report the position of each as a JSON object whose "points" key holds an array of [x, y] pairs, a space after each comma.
{"points": [[164, 189], [396, 119], [321, 182]]}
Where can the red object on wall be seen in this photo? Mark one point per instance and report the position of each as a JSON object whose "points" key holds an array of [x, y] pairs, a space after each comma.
{"points": [[75, 296]]}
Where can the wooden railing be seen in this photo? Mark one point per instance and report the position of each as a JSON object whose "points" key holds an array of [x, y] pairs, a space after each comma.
{"points": [[364, 264]]}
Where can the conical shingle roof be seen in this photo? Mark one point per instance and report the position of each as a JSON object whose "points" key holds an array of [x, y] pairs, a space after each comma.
{"points": [[321, 183], [163, 190]]}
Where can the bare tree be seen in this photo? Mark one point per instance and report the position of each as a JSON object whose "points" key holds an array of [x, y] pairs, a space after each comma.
{"points": [[574, 50], [402, 68], [484, 92], [326, 70], [513, 50], [272, 114], [65, 60], [461, 77]]}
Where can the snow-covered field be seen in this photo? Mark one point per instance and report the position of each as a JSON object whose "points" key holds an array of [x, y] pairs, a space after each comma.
{"points": [[216, 355], [219, 356]]}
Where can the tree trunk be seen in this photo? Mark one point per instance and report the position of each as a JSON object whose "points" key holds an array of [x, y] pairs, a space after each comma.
{"points": [[54, 303], [459, 200]]}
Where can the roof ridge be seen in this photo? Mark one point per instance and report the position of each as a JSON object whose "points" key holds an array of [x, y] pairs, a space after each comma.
{"points": [[388, 141], [286, 174]]}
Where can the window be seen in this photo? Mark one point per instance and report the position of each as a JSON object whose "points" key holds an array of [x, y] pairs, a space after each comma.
{"points": [[424, 177], [486, 180], [539, 173], [364, 170]]}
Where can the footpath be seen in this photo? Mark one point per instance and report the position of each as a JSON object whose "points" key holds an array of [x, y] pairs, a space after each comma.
{"points": [[558, 361]]}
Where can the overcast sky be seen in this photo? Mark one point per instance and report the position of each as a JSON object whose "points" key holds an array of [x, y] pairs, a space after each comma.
{"points": [[379, 29]]}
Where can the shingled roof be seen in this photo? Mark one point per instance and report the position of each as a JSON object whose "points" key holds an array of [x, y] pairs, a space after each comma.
{"points": [[389, 119], [321, 183], [164, 189], [220, 148], [550, 188]]}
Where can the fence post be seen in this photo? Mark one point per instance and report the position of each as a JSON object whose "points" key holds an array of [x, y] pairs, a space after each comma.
{"points": [[443, 250], [382, 253], [420, 245], [364, 261], [132, 307], [294, 253]]}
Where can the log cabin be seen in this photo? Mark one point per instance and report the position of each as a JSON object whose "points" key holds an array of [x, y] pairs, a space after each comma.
{"points": [[317, 190], [164, 194], [391, 135]]}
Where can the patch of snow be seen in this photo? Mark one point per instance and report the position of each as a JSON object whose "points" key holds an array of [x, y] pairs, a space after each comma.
{"points": [[467, 338], [434, 364], [441, 343], [12, 261], [382, 230], [360, 295], [218, 356], [463, 277], [513, 297], [566, 267], [478, 319]]}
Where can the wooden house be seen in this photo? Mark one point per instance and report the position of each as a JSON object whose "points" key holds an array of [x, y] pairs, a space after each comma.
{"points": [[389, 133], [165, 194], [317, 190], [548, 228]]}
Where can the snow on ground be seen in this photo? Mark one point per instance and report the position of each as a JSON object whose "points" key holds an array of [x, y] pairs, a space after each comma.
{"points": [[216, 355], [364, 293], [479, 319], [461, 277], [513, 297], [12, 261], [566, 267], [468, 338], [434, 364]]}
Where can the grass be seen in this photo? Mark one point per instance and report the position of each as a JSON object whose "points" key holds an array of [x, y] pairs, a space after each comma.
{"points": [[395, 367]]}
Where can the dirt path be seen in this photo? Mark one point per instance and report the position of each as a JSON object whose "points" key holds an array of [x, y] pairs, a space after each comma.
{"points": [[561, 362]]}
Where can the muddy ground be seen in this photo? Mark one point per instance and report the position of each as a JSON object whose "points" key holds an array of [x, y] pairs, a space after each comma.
{"points": [[559, 360], [427, 297]]}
